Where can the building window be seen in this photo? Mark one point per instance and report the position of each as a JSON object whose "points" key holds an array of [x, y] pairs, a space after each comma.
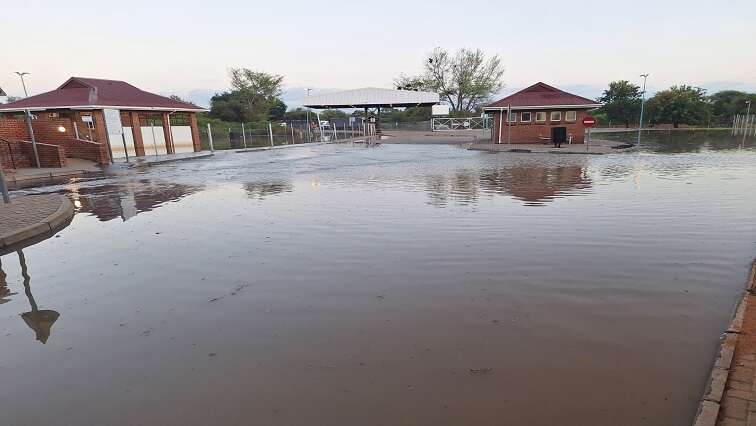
{"points": [[88, 119], [570, 116], [540, 117], [512, 117], [556, 116], [525, 117]]}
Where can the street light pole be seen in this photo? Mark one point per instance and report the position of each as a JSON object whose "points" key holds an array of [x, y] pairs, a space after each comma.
{"points": [[745, 126], [309, 135], [28, 118], [23, 83], [643, 101]]}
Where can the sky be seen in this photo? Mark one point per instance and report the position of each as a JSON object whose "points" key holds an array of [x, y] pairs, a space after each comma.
{"points": [[186, 47]]}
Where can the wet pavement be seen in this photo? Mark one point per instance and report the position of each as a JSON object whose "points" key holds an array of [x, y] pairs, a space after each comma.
{"points": [[417, 285]]}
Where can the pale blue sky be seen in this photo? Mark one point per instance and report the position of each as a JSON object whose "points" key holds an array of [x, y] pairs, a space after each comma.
{"points": [[180, 47]]}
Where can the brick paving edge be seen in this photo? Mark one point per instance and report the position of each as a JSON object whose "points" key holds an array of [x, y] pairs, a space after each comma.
{"points": [[708, 408], [51, 223]]}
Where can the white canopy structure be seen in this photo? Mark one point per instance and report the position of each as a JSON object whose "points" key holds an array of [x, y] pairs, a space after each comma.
{"points": [[371, 97]]}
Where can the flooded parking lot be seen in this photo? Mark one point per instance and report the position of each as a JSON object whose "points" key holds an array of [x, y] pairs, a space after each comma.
{"points": [[393, 285]]}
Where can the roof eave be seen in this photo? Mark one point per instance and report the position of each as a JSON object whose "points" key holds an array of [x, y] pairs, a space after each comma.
{"points": [[93, 107], [524, 107]]}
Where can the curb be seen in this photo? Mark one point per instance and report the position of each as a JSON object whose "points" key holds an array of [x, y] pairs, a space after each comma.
{"points": [[51, 223], [138, 163], [708, 409]]}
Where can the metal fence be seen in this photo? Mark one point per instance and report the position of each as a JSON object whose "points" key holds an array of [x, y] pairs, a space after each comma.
{"points": [[744, 125], [470, 123], [277, 133]]}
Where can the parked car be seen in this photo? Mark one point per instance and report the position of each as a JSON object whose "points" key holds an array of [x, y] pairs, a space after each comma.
{"points": [[325, 124]]}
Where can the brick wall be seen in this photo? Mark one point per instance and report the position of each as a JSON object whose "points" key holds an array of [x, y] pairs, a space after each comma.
{"points": [[49, 155], [533, 132], [11, 128], [12, 155]]}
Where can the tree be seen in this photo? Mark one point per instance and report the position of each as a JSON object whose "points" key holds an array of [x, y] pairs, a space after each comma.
{"points": [[621, 102], [254, 97], [298, 114], [466, 80], [727, 103], [679, 105], [12, 99], [331, 114]]}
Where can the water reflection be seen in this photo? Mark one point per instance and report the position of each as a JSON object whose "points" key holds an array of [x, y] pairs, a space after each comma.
{"points": [[684, 141], [462, 188], [126, 200], [260, 190], [39, 320], [533, 183]]}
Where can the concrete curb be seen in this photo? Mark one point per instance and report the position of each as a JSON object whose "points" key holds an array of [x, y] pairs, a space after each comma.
{"points": [[54, 222], [708, 409]]}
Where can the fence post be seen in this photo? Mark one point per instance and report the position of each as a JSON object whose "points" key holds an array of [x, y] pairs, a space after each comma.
{"points": [[244, 136], [210, 137], [270, 133]]}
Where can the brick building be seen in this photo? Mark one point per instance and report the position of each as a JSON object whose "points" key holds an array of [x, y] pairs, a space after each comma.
{"points": [[96, 120], [538, 114]]}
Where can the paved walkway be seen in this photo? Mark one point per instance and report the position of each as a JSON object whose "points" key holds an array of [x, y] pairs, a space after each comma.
{"points": [[29, 216], [75, 167], [151, 160], [730, 398]]}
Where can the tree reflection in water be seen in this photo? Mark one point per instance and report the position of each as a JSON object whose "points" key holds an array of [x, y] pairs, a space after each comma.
{"points": [[260, 190]]}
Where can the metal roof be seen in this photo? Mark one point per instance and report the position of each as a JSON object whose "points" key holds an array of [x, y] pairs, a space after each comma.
{"points": [[370, 97], [93, 93]]}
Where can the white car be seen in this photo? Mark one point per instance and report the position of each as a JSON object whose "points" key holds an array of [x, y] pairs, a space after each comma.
{"points": [[324, 124]]}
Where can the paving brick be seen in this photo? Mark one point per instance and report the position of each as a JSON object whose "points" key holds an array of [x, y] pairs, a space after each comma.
{"points": [[735, 408]]}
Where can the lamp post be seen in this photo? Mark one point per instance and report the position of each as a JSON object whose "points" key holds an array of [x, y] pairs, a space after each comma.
{"points": [[643, 101], [28, 118], [745, 125], [23, 83], [309, 135]]}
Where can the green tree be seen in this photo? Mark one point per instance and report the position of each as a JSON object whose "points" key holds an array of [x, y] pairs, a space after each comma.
{"points": [[466, 80], [296, 114], [679, 105], [331, 114], [727, 103], [621, 102], [277, 110], [254, 97]]}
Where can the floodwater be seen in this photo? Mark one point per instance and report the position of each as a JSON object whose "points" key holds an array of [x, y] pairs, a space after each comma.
{"points": [[393, 285]]}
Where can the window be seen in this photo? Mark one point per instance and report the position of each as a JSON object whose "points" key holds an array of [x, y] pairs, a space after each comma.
{"points": [[570, 116], [556, 116], [540, 117], [525, 117], [512, 117], [88, 120]]}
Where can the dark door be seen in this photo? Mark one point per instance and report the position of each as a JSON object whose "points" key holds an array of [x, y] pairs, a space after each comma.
{"points": [[558, 135]]}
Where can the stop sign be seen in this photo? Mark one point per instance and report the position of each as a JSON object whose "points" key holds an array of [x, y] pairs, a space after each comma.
{"points": [[589, 121]]}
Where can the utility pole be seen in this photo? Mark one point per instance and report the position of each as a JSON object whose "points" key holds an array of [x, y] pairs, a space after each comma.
{"points": [[643, 101]]}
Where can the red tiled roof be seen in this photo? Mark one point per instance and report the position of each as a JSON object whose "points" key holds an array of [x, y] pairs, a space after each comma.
{"points": [[541, 94], [80, 92]]}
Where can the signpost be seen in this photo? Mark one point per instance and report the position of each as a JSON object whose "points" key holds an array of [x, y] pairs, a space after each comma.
{"points": [[588, 122]]}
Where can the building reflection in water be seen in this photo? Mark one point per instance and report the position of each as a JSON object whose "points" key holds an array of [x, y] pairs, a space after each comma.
{"points": [[124, 201], [534, 184], [260, 190], [39, 320]]}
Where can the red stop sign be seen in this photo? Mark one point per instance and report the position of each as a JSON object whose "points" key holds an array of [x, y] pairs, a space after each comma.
{"points": [[589, 121]]}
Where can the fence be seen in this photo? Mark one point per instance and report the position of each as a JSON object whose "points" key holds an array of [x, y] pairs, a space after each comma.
{"points": [[470, 123], [269, 134], [744, 125]]}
